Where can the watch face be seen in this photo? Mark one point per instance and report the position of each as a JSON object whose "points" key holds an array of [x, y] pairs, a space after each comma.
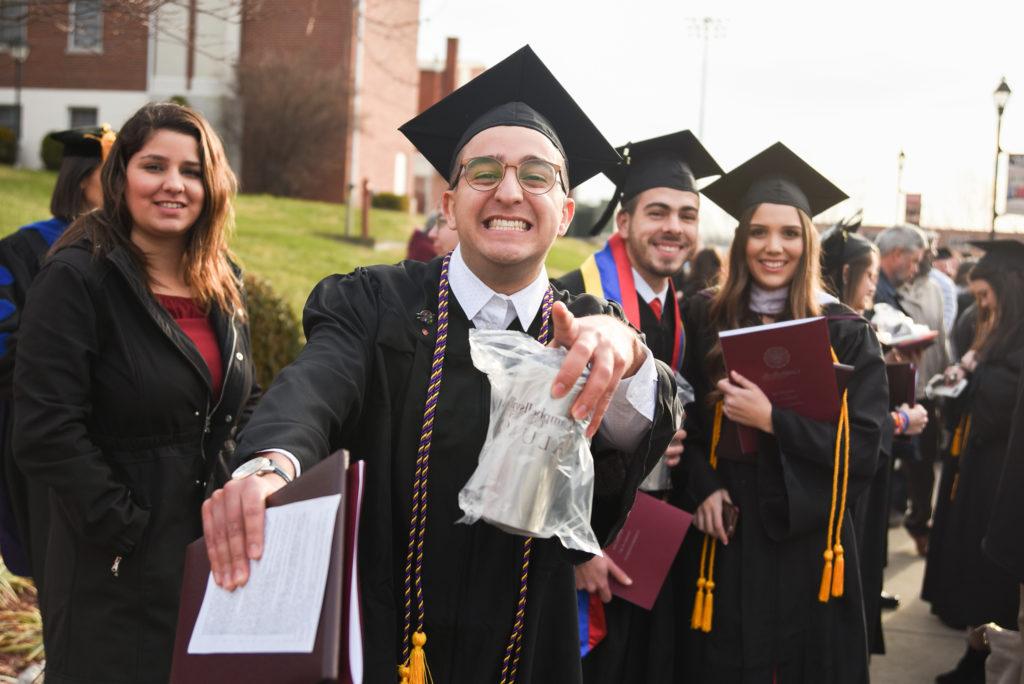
{"points": [[251, 467]]}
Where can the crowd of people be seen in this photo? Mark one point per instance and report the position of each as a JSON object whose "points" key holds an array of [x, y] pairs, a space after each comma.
{"points": [[132, 422]]}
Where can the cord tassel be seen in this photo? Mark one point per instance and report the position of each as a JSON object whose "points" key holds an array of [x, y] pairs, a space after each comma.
{"points": [[418, 671], [838, 572], [705, 625], [697, 619], [826, 578]]}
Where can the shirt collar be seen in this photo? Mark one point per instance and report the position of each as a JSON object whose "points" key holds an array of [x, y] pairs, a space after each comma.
{"points": [[473, 294], [646, 292]]}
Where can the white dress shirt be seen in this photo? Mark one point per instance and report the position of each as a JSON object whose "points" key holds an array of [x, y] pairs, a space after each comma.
{"points": [[631, 411], [646, 292]]}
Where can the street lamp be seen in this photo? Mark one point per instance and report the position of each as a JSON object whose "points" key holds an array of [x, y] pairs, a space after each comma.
{"points": [[19, 53], [1001, 96]]}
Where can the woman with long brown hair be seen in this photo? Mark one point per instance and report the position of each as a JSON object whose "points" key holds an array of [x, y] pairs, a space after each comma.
{"points": [[965, 587], [776, 595], [133, 374]]}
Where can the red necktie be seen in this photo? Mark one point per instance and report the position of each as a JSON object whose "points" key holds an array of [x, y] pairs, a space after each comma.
{"points": [[655, 305]]}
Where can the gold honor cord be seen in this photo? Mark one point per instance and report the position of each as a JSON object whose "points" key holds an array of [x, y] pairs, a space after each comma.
{"points": [[834, 571], [703, 602], [960, 437]]}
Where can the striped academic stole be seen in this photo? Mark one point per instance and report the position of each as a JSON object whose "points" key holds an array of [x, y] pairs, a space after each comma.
{"points": [[591, 619], [609, 274]]}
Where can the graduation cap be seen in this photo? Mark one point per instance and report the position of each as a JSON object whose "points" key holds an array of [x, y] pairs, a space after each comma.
{"points": [[675, 161], [1001, 254], [91, 141], [840, 245], [774, 176], [943, 253], [518, 91]]}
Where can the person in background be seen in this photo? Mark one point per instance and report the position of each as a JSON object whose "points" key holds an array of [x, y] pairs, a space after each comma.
{"points": [[964, 300], [133, 374], [922, 299], [657, 227], [849, 265], [943, 269], [443, 238], [24, 510], [770, 605], [420, 247], [705, 272], [965, 587]]}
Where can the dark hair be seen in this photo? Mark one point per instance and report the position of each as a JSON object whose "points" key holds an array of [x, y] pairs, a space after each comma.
{"points": [[630, 205], [68, 199], [963, 271], [707, 267], [844, 250], [1005, 329], [207, 260]]}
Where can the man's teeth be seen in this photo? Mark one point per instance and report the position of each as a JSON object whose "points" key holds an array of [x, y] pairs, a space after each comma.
{"points": [[672, 249], [170, 205], [508, 224]]}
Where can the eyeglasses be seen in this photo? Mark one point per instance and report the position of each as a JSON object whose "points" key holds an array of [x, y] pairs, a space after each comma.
{"points": [[535, 176]]}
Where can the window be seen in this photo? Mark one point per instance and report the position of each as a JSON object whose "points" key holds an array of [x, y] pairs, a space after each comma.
{"points": [[13, 20], [79, 117], [9, 117], [86, 21]]}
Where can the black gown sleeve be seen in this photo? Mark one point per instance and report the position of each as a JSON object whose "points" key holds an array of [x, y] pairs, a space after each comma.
{"points": [[805, 448], [306, 409], [60, 339]]}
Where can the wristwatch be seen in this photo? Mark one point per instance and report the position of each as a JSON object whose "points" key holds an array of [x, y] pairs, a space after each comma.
{"points": [[261, 465]]}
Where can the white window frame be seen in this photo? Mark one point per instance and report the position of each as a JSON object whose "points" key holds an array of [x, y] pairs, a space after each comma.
{"points": [[71, 110], [5, 46], [77, 49]]}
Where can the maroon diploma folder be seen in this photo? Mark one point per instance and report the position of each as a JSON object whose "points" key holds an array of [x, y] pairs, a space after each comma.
{"points": [[339, 634], [646, 547], [902, 383], [791, 362]]}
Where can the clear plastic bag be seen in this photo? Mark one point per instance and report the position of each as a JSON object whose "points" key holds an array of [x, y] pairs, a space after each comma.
{"points": [[535, 476], [660, 479]]}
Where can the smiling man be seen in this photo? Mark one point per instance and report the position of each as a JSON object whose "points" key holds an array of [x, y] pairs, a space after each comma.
{"points": [[489, 606], [656, 233]]}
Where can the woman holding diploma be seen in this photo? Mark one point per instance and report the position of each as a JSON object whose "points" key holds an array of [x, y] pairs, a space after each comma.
{"points": [[133, 374], [777, 594]]}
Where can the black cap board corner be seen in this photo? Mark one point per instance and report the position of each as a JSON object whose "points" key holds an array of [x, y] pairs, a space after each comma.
{"points": [[88, 141], [1005, 253], [775, 175], [518, 91]]}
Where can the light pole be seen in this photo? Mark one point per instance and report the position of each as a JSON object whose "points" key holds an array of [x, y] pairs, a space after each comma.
{"points": [[19, 53], [901, 159], [1001, 96]]}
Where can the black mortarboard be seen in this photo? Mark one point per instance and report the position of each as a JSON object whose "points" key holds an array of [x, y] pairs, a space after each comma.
{"points": [[775, 176], [840, 245], [675, 160], [90, 141], [1002, 254], [943, 253], [518, 91]]}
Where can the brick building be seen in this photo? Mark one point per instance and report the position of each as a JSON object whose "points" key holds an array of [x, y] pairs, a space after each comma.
{"points": [[437, 79], [90, 62]]}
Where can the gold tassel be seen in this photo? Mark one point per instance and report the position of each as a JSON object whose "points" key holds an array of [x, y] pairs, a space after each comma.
{"points": [[838, 572], [826, 578], [698, 606], [418, 673], [705, 625], [956, 483], [403, 674]]}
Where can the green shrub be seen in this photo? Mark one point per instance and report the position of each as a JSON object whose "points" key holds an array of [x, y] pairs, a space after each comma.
{"points": [[51, 152], [179, 100], [8, 146], [389, 200], [276, 333]]}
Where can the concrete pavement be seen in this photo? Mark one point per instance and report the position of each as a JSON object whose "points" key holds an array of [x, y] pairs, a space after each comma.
{"points": [[918, 646]]}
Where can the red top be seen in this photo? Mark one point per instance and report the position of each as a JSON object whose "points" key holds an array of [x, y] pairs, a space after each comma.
{"points": [[190, 317]]}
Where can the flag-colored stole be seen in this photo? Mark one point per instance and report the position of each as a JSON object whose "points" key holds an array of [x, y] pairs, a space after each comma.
{"points": [[609, 274], [592, 624]]}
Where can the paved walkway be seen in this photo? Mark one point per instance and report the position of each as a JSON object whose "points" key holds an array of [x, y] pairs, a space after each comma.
{"points": [[918, 645]]}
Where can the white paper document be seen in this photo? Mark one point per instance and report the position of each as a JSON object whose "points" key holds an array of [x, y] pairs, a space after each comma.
{"points": [[278, 609]]}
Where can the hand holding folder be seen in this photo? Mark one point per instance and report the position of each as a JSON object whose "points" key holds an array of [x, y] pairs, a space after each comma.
{"points": [[337, 651]]}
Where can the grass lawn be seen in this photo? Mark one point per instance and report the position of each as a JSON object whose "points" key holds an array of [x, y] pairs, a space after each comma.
{"points": [[291, 243]]}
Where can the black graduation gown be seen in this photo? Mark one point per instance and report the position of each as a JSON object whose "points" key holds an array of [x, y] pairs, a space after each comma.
{"points": [[963, 585], [639, 645], [25, 505], [360, 383], [768, 623], [1002, 543]]}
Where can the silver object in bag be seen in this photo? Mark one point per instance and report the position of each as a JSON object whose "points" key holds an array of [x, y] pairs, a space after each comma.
{"points": [[535, 476]]}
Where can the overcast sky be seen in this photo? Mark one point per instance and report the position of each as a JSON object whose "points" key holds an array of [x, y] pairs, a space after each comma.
{"points": [[846, 87]]}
